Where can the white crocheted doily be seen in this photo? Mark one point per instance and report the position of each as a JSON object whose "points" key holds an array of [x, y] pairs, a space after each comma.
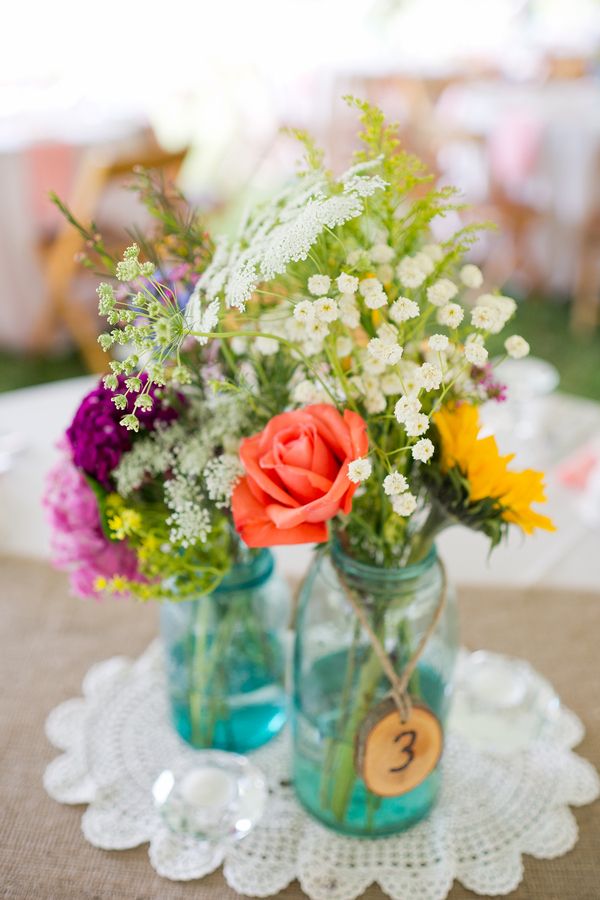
{"points": [[117, 739]]}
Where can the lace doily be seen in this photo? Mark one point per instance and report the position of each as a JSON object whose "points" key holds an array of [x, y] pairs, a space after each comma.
{"points": [[117, 739]]}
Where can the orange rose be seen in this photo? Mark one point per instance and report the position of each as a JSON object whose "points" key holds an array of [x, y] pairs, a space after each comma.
{"points": [[297, 475]]}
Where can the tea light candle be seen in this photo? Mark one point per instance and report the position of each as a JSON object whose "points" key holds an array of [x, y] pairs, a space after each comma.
{"points": [[206, 787], [498, 685]]}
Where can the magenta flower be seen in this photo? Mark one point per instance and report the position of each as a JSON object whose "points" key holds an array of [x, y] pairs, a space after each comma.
{"points": [[97, 439], [78, 543]]}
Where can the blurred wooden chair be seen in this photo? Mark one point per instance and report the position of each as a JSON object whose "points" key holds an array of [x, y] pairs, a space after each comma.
{"points": [[97, 171], [585, 306]]}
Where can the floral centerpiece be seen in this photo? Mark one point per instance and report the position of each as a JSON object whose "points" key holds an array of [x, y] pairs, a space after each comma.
{"points": [[359, 347]]}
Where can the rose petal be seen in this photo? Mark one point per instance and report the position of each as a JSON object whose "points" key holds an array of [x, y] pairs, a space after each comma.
{"points": [[323, 461], [249, 455], [256, 528], [303, 484]]}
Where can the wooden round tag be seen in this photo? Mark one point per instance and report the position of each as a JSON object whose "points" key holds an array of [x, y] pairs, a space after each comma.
{"points": [[394, 757]]}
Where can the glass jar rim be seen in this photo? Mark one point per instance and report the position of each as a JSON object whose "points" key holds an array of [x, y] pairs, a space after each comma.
{"points": [[251, 573], [360, 570]]}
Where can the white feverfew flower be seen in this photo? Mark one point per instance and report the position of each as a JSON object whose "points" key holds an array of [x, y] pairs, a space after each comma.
{"points": [[385, 273], [409, 373], [318, 285], [450, 315], [441, 292], [430, 376], [486, 318], [406, 407], [416, 424], [433, 251], [471, 276], [404, 504], [504, 307], [326, 309], [403, 309], [266, 346], [306, 392], [295, 330], [373, 293], [387, 333], [343, 346], [359, 470], [381, 253], [384, 352], [394, 484], [423, 450], [347, 284], [372, 365], [375, 402], [357, 257], [239, 345], [376, 299], [317, 330], [390, 383], [516, 346], [438, 343], [369, 285], [413, 270], [304, 311], [475, 353], [349, 312]]}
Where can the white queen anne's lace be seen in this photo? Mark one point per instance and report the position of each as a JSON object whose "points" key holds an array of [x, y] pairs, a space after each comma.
{"points": [[283, 232], [117, 739]]}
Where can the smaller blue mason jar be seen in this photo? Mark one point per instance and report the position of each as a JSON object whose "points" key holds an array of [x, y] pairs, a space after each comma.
{"points": [[225, 656]]}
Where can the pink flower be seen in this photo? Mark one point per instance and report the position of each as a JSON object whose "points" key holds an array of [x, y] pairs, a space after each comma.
{"points": [[78, 543]]}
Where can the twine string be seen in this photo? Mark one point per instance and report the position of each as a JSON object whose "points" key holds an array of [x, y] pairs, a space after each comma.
{"points": [[398, 682]]}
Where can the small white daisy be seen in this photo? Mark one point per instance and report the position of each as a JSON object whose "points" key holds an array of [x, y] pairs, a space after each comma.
{"points": [[406, 407], [475, 353], [403, 309], [394, 484], [450, 315], [404, 504], [381, 253], [438, 343], [471, 276], [423, 450], [359, 469], [416, 424], [319, 285], [441, 292], [516, 346], [347, 284], [430, 376], [326, 309]]}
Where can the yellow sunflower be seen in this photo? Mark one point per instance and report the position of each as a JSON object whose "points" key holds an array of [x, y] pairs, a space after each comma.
{"points": [[486, 471]]}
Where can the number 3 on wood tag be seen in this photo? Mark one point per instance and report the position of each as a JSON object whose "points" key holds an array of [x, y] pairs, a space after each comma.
{"points": [[394, 757]]}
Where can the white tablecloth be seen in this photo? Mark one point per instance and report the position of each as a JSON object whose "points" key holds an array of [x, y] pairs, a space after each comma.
{"points": [[568, 557]]}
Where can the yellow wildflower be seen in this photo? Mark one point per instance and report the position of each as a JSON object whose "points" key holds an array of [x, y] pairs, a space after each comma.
{"points": [[486, 471]]}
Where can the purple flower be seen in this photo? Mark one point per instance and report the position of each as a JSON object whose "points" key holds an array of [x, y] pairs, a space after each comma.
{"points": [[96, 438], [484, 377], [79, 545]]}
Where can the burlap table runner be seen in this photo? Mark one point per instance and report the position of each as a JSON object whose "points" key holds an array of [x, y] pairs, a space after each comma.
{"points": [[48, 640]]}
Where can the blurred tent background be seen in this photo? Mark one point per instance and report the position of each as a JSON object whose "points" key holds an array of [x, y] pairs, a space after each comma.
{"points": [[501, 98]]}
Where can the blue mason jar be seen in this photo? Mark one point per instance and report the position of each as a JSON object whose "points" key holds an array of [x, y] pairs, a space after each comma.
{"points": [[225, 656], [338, 679]]}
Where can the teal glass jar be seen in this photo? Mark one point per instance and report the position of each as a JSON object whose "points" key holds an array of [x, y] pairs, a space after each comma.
{"points": [[225, 655], [338, 679]]}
